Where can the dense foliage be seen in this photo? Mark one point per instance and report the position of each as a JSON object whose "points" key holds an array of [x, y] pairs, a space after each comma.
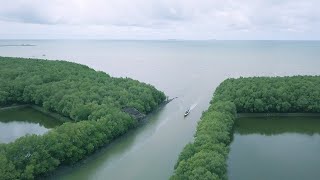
{"points": [[206, 157], [92, 100], [272, 94]]}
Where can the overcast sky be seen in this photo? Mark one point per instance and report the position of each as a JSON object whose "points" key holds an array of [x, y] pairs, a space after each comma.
{"points": [[160, 19]]}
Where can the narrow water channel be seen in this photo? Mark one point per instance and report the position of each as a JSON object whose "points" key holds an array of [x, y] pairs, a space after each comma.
{"points": [[189, 70]]}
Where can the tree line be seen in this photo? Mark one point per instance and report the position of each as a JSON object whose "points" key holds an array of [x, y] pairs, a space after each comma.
{"points": [[91, 99], [206, 157], [272, 94]]}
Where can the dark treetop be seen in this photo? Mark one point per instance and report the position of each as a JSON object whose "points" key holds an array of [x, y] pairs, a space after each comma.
{"points": [[206, 157], [92, 100]]}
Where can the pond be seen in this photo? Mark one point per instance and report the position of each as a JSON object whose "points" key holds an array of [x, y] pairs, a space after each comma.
{"points": [[19, 121], [189, 70], [275, 148]]}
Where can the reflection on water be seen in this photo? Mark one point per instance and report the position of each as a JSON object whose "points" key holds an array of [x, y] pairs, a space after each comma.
{"points": [[17, 122], [189, 70], [278, 125], [275, 148]]}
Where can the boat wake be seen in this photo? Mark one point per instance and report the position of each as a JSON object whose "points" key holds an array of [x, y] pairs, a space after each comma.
{"points": [[162, 124], [193, 106]]}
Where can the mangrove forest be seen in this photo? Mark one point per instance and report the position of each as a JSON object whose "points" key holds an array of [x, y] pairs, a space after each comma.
{"points": [[206, 157], [92, 102]]}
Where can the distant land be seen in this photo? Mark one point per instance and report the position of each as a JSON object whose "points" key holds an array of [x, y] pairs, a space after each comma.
{"points": [[17, 45]]}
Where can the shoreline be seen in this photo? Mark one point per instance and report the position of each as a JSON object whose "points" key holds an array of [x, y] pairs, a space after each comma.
{"points": [[13, 106], [65, 169], [37, 108], [244, 115]]}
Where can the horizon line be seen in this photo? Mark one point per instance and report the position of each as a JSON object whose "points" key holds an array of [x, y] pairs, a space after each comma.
{"points": [[169, 39]]}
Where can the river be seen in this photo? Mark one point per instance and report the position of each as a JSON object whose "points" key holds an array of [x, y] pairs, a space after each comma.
{"points": [[189, 70]]}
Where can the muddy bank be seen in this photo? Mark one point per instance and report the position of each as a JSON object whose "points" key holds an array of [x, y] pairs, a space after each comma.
{"points": [[136, 114]]}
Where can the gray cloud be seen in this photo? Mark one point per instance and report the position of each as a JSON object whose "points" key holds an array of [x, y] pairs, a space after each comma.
{"points": [[187, 19]]}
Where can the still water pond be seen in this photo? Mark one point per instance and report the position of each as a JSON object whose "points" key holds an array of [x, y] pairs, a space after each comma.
{"points": [[275, 148], [189, 70], [17, 122]]}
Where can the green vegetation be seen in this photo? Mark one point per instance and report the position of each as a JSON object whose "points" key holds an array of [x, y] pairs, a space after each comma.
{"points": [[270, 126], [206, 157], [27, 114], [92, 100], [272, 94]]}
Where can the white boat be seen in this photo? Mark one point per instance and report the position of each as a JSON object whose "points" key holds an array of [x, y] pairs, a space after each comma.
{"points": [[187, 113]]}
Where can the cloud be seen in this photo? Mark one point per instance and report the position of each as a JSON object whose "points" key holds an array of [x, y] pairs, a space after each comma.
{"points": [[188, 19]]}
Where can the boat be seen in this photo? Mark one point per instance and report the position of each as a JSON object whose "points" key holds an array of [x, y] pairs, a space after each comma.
{"points": [[187, 113]]}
